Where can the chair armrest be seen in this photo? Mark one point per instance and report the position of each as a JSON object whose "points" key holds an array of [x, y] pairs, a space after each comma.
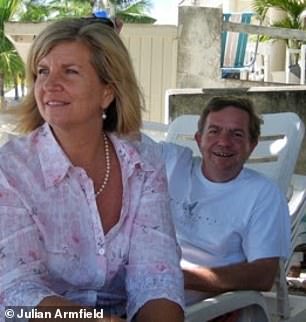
{"points": [[227, 302]]}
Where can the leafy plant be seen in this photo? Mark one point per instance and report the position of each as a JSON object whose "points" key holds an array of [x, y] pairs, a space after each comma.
{"points": [[11, 65], [131, 11], [294, 9]]}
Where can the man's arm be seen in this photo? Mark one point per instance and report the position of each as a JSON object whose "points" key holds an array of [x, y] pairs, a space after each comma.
{"points": [[258, 275]]}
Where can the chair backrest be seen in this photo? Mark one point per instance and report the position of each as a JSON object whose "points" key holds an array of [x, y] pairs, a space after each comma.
{"points": [[279, 146], [275, 156], [277, 150], [182, 130], [233, 44]]}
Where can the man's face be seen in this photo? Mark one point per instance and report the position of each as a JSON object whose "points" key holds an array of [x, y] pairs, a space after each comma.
{"points": [[225, 143]]}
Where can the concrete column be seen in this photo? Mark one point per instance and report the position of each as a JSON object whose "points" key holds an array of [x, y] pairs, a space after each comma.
{"points": [[199, 46]]}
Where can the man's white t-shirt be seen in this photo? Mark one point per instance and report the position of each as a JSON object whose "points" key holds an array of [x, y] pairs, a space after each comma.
{"points": [[218, 224], [223, 223]]}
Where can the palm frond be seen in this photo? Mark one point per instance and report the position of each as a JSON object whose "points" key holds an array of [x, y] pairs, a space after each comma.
{"points": [[135, 18], [293, 8], [7, 8], [10, 62], [135, 12]]}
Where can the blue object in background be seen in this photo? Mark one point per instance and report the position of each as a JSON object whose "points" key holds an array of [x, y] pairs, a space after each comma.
{"points": [[101, 9], [101, 14]]}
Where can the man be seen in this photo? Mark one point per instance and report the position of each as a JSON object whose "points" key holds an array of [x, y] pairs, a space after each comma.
{"points": [[232, 223]]}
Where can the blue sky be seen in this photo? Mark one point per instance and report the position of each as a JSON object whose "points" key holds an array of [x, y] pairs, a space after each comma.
{"points": [[165, 11]]}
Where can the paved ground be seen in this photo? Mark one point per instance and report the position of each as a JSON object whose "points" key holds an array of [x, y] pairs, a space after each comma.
{"points": [[7, 124]]}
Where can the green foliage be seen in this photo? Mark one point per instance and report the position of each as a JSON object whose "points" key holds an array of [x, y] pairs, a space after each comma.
{"points": [[10, 62], [293, 9], [69, 8], [7, 7], [34, 10], [134, 11], [37, 11], [11, 65]]}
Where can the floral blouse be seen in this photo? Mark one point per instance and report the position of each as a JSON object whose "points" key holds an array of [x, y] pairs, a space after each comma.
{"points": [[52, 240]]}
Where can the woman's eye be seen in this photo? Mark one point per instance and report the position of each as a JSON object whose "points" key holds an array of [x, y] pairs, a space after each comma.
{"points": [[71, 71], [42, 71]]}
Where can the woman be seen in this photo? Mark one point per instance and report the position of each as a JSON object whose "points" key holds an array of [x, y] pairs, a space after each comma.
{"points": [[84, 217]]}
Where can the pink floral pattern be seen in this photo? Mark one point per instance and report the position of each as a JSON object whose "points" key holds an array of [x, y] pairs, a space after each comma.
{"points": [[52, 240]]}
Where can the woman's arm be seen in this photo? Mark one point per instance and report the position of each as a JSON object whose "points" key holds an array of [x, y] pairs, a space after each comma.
{"points": [[23, 273], [55, 302], [154, 278]]}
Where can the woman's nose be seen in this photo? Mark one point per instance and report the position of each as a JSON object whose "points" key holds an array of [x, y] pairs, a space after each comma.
{"points": [[52, 82]]}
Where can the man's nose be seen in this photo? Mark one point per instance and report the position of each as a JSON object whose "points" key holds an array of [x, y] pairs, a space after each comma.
{"points": [[225, 138]]}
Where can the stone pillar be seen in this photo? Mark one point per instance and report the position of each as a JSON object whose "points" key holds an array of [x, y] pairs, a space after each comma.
{"points": [[199, 46]]}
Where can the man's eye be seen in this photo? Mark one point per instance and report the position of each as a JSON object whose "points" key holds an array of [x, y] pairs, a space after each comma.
{"points": [[238, 134], [212, 131]]}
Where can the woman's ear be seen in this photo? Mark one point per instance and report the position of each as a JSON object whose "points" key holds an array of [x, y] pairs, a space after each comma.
{"points": [[107, 97]]}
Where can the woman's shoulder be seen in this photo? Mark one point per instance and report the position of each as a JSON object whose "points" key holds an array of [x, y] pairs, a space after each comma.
{"points": [[13, 147], [18, 153], [18, 145]]}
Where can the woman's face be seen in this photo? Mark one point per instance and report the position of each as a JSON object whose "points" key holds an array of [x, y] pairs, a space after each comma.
{"points": [[68, 91]]}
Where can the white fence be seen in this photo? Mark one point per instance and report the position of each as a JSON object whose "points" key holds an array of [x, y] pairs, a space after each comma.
{"points": [[154, 54]]}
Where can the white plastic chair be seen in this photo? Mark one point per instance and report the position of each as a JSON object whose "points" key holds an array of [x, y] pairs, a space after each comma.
{"points": [[275, 156], [302, 56]]}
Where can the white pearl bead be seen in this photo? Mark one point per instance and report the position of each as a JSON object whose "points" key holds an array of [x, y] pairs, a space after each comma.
{"points": [[107, 167]]}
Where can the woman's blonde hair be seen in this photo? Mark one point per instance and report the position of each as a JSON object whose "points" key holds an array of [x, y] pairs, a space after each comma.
{"points": [[110, 59]]}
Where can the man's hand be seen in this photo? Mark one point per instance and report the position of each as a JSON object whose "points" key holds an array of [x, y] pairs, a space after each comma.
{"points": [[161, 310]]}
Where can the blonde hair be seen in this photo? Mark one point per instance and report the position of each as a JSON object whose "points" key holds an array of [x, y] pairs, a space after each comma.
{"points": [[110, 59]]}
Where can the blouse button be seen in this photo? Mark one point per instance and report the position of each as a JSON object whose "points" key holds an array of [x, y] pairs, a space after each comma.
{"points": [[101, 251]]}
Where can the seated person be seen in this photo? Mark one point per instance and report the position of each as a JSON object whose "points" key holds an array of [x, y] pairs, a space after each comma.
{"points": [[84, 208], [232, 222]]}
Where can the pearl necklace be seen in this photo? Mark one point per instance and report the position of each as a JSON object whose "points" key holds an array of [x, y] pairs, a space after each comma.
{"points": [[107, 167]]}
